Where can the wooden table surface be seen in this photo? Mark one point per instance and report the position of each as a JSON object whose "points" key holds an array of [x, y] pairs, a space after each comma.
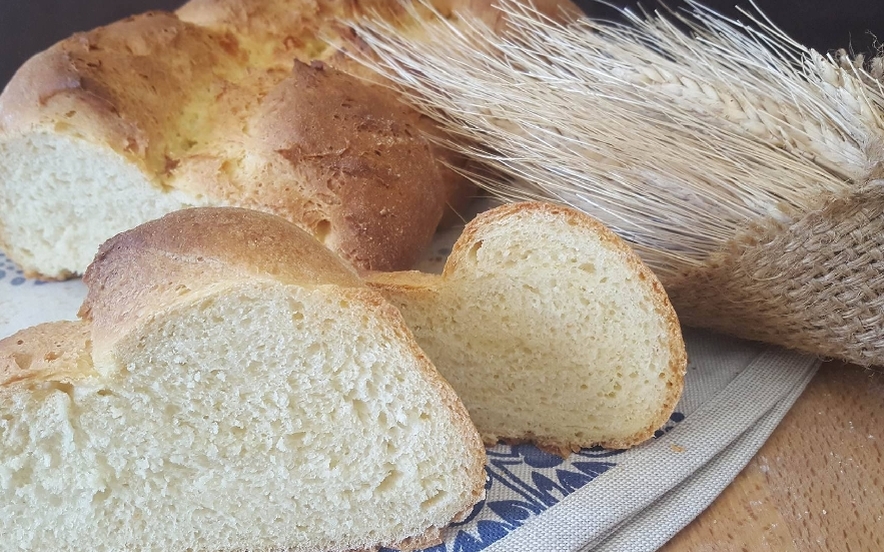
{"points": [[817, 484]]}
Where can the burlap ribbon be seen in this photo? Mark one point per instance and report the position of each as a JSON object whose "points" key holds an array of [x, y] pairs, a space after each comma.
{"points": [[814, 283]]}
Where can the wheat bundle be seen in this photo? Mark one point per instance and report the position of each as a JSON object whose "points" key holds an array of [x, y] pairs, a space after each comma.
{"points": [[744, 168]]}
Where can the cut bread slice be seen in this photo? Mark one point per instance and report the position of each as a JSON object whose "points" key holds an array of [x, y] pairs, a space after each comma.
{"points": [[231, 386], [550, 329]]}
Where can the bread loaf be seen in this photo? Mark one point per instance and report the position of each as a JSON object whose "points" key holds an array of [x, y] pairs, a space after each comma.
{"points": [[124, 123], [231, 385], [549, 328]]}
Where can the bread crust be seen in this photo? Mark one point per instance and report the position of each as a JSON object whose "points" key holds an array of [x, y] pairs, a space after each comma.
{"points": [[424, 287], [150, 267], [122, 85]]}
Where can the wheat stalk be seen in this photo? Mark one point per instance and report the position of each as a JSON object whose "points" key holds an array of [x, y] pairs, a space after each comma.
{"points": [[676, 139]]}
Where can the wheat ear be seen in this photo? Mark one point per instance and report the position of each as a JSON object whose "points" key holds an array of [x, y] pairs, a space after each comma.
{"points": [[675, 138]]}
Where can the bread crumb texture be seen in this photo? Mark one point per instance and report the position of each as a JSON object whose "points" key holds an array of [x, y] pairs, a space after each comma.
{"points": [[549, 328], [251, 412]]}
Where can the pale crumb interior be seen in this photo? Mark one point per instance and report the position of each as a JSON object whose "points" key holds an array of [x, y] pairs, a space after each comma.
{"points": [[546, 333], [246, 419], [61, 197]]}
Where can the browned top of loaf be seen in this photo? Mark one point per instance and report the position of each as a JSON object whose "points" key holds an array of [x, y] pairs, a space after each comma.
{"points": [[124, 85], [268, 23], [356, 150], [151, 266]]}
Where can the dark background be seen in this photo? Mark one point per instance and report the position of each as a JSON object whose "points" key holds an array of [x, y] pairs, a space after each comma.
{"points": [[28, 26]]}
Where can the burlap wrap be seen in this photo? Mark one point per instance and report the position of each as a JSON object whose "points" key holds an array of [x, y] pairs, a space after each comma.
{"points": [[815, 283]]}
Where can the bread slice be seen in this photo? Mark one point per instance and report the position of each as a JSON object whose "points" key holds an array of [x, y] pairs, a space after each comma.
{"points": [[550, 329], [231, 385]]}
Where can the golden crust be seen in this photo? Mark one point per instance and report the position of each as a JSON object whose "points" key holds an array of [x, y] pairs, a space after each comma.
{"points": [[152, 265], [123, 86], [357, 151], [424, 287], [271, 22]]}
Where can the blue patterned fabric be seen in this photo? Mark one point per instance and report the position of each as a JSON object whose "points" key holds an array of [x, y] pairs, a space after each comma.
{"points": [[523, 482]]}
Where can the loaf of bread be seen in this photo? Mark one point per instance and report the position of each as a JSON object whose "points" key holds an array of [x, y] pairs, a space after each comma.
{"points": [[122, 124], [249, 103], [231, 385], [550, 329]]}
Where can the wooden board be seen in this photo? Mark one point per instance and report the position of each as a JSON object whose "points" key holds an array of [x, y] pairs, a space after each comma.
{"points": [[817, 484]]}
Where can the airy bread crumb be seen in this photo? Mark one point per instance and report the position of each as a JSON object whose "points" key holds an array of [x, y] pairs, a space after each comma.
{"points": [[242, 390], [550, 329]]}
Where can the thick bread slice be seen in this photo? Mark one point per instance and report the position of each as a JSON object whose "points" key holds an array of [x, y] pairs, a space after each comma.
{"points": [[232, 386], [550, 329]]}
